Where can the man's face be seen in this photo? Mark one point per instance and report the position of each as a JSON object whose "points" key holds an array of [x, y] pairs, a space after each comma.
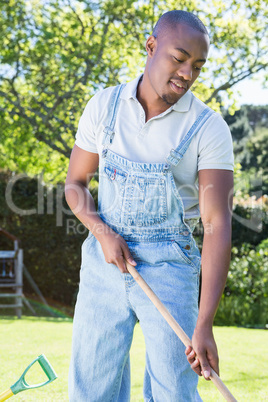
{"points": [[174, 61]]}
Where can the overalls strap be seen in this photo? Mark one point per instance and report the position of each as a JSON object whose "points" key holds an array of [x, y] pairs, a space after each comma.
{"points": [[113, 109], [177, 154]]}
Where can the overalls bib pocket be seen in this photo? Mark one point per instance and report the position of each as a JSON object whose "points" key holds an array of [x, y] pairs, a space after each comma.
{"points": [[114, 180], [145, 201]]}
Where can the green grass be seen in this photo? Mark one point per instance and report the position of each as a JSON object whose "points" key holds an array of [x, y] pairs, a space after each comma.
{"points": [[243, 356]]}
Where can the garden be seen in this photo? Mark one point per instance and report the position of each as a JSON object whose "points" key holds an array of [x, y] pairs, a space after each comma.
{"points": [[56, 54]]}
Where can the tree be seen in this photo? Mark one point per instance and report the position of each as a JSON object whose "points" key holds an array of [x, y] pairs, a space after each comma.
{"points": [[57, 53], [249, 128]]}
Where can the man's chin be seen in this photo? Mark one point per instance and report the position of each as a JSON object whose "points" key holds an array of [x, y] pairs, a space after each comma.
{"points": [[171, 100]]}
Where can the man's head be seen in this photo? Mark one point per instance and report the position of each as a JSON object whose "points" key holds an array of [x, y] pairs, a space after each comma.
{"points": [[177, 50], [170, 19]]}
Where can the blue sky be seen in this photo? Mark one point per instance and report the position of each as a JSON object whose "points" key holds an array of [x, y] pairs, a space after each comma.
{"points": [[251, 92]]}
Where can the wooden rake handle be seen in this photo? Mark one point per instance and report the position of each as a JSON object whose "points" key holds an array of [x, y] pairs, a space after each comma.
{"points": [[176, 328]]}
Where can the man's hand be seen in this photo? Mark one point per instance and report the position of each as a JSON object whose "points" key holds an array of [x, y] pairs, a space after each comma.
{"points": [[115, 250], [203, 354]]}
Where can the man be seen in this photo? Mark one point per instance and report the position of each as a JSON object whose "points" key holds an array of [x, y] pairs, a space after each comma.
{"points": [[165, 159]]}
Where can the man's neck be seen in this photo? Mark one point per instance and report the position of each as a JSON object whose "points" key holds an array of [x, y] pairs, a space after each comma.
{"points": [[152, 105]]}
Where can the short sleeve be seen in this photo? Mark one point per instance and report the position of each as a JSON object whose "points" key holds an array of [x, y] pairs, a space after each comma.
{"points": [[215, 145], [85, 137]]}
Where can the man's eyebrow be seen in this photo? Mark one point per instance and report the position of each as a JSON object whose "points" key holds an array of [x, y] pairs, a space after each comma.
{"points": [[188, 54]]}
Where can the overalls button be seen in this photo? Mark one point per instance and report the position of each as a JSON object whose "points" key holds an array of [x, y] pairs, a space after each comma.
{"points": [[187, 247], [165, 169], [185, 233], [104, 152], [113, 175]]}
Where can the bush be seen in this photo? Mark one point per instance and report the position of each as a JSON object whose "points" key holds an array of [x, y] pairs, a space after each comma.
{"points": [[245, 299], [242, 232], [50, 244]]}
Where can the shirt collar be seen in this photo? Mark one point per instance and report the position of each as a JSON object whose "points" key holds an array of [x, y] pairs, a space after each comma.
{"points": [[130, 91]]}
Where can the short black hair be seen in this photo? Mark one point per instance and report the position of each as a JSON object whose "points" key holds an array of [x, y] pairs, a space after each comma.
{"points": [[174, 17]]}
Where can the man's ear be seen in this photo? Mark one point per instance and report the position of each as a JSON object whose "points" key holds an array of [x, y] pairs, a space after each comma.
{"points": [[151, 44]]}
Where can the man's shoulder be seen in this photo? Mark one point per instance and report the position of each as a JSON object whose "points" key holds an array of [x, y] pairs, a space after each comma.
{"points": [[215, 118], [199, 104], [99, 102], [103, 93], [128, 91]]}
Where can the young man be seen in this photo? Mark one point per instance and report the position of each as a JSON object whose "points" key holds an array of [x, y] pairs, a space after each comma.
{"points": [[164, 159]]}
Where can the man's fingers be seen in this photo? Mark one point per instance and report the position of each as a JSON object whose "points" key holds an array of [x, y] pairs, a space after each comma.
{"points": [[201, 364], [205, 369], [193, 360], [131, 261], [195, 366], [188, 350], [214, 363], [116, 251], [128, 257], [121, 260], [120, 263], [190, 353], [206, 352]]}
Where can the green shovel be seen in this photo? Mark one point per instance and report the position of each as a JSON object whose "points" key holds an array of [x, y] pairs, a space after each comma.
{"points": [[22, 385]]}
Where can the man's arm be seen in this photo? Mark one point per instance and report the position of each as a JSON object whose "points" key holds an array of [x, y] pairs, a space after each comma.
{"points": [[82, 168], [215, 201]]}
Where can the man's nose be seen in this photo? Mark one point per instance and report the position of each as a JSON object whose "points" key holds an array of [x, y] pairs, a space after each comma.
{"points": [[185, 72]]}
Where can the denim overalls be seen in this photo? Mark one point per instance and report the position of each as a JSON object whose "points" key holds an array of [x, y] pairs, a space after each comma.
{"points": [[140, 201]]}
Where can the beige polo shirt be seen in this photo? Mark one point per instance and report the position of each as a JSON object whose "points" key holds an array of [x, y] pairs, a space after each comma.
{"points": [[211, 147]]}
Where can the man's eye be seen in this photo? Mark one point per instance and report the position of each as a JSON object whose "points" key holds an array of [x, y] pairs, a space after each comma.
{"points": [[179, 61], [198, 68]]}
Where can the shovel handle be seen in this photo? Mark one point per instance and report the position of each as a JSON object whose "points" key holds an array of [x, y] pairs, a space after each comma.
{"points": [[22, 385], [177, 328], [5, 395], [47, 368]]}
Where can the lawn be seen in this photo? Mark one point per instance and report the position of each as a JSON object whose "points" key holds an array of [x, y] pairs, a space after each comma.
{"points": [[243, 353]]}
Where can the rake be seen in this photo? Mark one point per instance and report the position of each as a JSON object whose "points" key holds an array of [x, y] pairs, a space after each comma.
{"points": [[177, 329]]}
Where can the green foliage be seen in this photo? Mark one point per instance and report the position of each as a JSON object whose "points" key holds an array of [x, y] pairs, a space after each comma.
{"points": [[249, 128], [56, 54], [239, 125], [51, 251], [245, 299], [249, 225]]}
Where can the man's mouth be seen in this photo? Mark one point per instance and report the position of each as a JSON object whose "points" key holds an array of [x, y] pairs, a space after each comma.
{"points": [[178, 87]]}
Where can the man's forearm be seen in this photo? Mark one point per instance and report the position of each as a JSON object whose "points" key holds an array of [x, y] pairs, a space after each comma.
{"points": [[82, 205], [215, 263]]}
